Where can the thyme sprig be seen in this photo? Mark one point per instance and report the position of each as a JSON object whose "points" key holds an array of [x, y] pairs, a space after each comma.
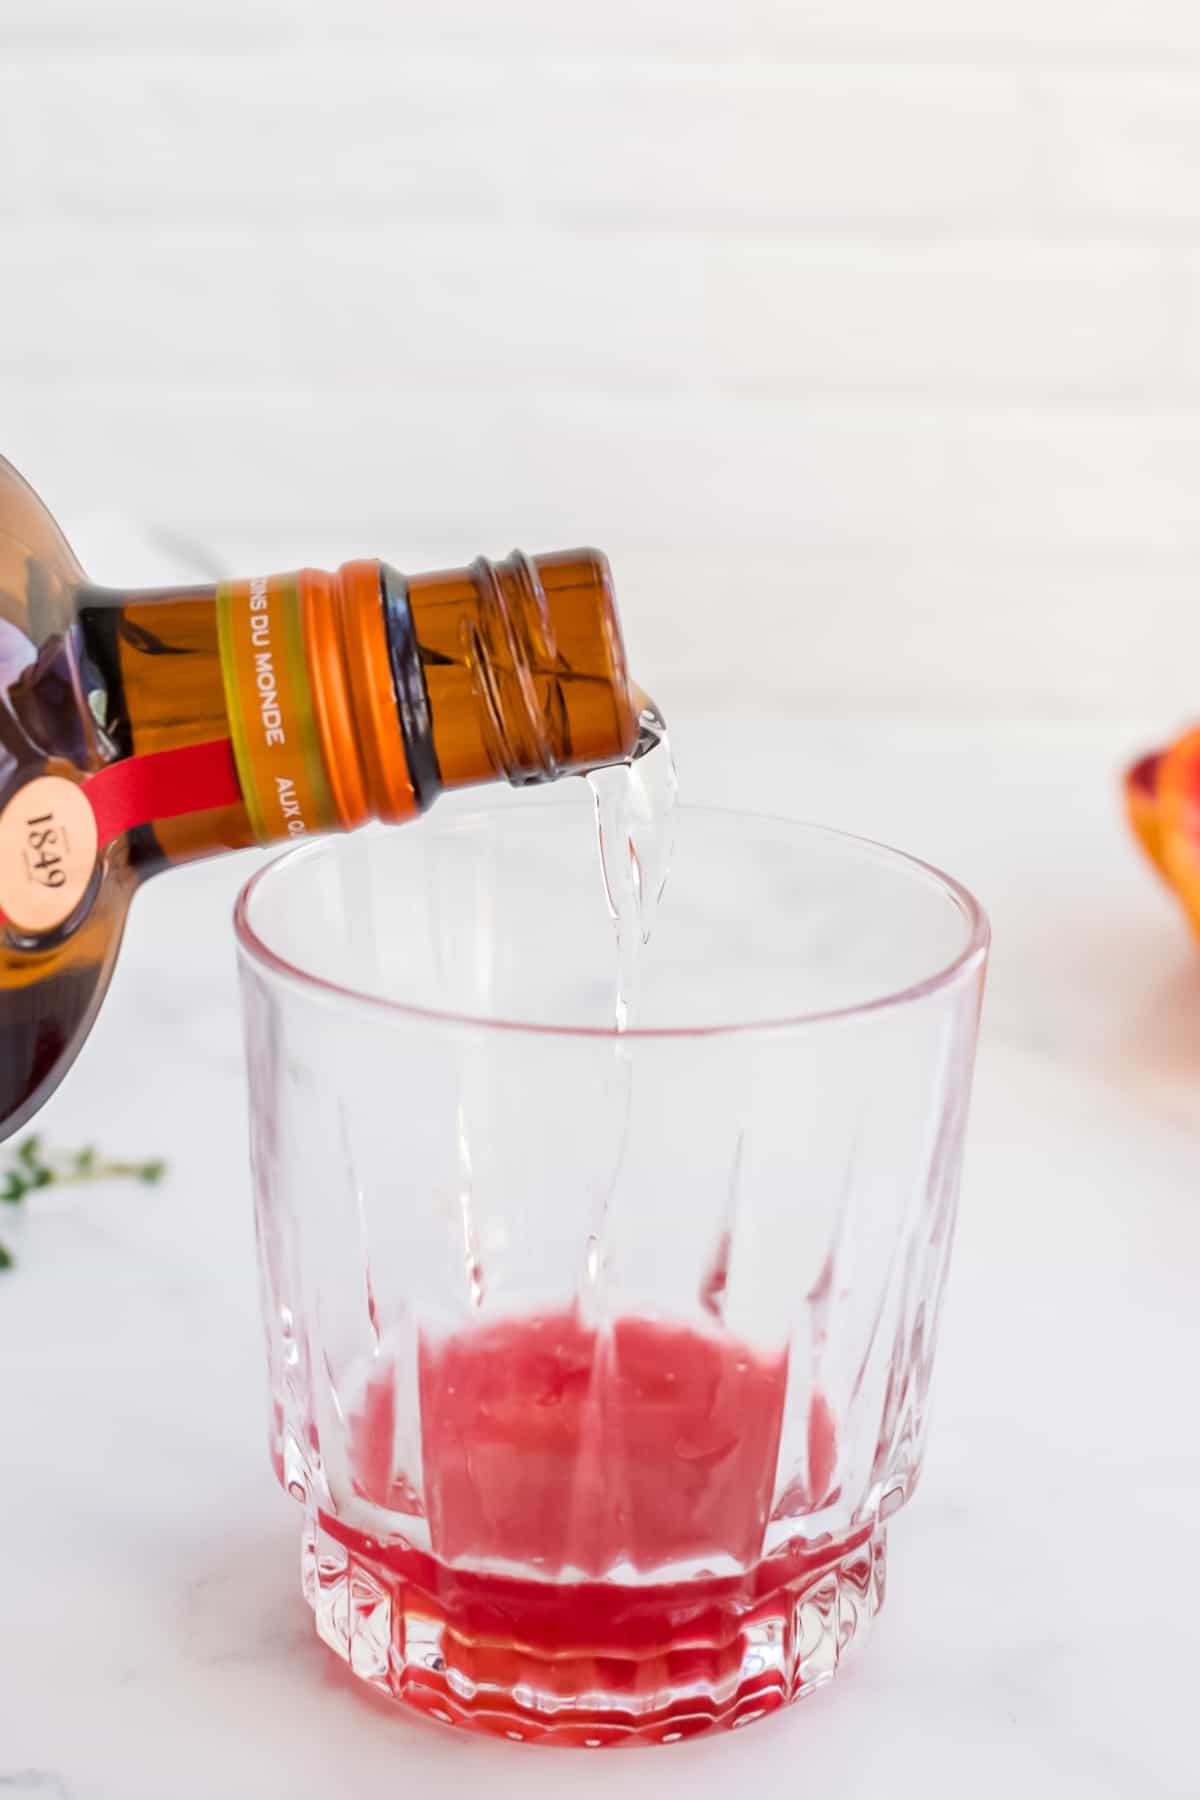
{"points": [[34, 1166]]}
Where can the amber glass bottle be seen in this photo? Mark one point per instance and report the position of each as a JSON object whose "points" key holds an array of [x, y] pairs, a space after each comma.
{"points": [[142, 729]]}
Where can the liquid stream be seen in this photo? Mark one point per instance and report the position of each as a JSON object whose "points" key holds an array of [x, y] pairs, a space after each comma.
{"points": [[635, 805], [595, 1490]]}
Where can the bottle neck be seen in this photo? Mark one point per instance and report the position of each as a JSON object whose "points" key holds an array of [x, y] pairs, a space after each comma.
{"points": [[360, 694], [290, 704]]}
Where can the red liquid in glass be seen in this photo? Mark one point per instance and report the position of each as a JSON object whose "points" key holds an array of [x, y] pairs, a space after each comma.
{"points": [[593, 1460]]}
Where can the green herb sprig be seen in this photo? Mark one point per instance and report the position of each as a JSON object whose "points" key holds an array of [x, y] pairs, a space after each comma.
{"points": [[36, 1167]]}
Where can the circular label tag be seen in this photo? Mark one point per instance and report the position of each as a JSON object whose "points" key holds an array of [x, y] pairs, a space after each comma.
{"points": [[48, 847]]}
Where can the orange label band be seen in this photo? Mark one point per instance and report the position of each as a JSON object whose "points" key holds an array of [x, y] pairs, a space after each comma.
{"points": [[269, 698]]}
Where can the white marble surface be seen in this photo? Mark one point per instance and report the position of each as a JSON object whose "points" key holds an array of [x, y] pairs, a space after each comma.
{"points": [[1042, 1630]]}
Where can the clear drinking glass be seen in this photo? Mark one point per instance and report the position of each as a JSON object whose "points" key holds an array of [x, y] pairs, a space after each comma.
{"points": [[600, 1361]]}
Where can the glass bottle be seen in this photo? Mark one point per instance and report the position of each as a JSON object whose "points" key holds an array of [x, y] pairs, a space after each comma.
{"points": [[139, 730]]}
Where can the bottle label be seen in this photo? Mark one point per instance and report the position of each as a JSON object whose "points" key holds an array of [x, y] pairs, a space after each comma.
{"points": [[52, 830], [269, 697], [48, 849]]}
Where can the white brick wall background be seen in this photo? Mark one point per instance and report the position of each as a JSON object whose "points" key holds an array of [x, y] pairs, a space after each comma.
{"points": [[863, 334]]}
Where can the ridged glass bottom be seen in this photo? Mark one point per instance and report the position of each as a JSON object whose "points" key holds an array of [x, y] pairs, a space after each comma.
{"points": [[591, 1663]]}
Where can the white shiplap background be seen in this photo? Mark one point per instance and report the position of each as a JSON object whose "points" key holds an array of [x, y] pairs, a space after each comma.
{"points": [[865, 335]]}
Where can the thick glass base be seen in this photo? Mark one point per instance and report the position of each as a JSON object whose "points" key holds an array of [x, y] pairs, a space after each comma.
{"points": [[591, 1663]]}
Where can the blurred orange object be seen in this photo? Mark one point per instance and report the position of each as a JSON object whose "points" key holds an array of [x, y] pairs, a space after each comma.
{"points": [[1162, 798]]}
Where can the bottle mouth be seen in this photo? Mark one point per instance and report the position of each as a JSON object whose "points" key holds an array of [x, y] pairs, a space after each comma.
{"points": [[524, 668], [533, 692]]}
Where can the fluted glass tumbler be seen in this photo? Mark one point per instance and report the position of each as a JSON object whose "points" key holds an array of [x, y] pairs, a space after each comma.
{"points": [[599, 1361]]}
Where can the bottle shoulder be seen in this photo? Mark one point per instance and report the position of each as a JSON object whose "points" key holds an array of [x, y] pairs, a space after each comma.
{"points": [[44, 716], [50, 984], [39, 571]]}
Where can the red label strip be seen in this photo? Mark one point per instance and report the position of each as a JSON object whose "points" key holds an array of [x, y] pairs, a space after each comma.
{"points": [[164, 785]]}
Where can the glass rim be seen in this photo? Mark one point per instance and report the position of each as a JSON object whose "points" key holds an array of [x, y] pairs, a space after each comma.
{"points": [[972, 953]]}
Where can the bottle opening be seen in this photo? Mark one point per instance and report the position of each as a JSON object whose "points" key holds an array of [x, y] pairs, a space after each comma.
{"points": [[523, 668]]}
